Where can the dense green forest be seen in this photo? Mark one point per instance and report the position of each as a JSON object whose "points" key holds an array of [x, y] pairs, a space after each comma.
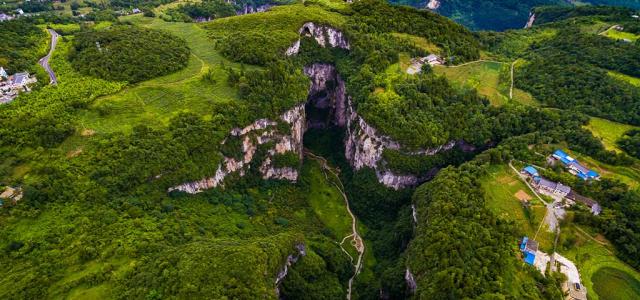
{"points": [[128, 53], [502, 15], [97, 220], [22, 45], [568, 65], [630, 142]]}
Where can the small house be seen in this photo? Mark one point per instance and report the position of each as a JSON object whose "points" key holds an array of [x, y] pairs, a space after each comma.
{"points": [[529, 248], [530, 171], [19, 11], [5, 17], [3, 74], [11, 194], [136, 11], [19, 79], [433, 60], [549, 187]]}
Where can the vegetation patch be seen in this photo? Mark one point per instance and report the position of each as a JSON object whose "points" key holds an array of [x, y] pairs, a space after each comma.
{"points": [[128, 53], [509, 198], [490, 79], [611, 283], [608, 132], [22, 45], [262, 38]]}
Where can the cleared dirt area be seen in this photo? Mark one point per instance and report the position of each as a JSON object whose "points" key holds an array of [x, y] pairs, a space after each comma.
{"points": [[523, 196]]}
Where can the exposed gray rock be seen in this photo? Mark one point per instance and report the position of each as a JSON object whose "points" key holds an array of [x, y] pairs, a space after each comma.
{"points": [[251, 9], [291, 259], [325, 36], [411, 282], [292, 141]]}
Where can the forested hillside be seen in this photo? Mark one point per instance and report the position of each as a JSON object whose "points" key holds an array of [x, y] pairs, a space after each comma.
{"points": [[289, 154], [501, 15]]}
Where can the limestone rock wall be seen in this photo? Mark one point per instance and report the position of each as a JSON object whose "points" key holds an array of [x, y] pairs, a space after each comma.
{"points": [[251, 138], [325, 36]]}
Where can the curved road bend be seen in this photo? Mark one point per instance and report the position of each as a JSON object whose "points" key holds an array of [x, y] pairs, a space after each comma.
{"points": [[44, 62]]}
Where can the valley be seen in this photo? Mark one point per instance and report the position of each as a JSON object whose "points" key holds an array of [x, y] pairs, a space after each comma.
{"points": [[319, 150]]}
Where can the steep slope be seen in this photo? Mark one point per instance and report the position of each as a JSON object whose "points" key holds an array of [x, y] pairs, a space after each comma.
{"points": [[499, 15]]}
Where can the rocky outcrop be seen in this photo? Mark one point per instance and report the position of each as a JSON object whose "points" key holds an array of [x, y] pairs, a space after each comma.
{"points": [[532, 18], [325, 36], [291, 259], [410, 280], [251, 9], [258, 133], [433, 4], [364, 145]]}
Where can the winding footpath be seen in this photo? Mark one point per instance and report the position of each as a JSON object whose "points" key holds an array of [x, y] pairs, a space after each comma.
{"points": [[356, 239], [44, 62]]}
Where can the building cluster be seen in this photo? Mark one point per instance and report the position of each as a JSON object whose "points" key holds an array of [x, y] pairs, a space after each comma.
{"points": [[7, 17], [417, 63], [11, 85], [558, 190], [573, 166], [573, 288]]}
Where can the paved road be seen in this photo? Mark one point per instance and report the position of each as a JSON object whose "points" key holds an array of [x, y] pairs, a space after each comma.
{"points": [[44, 62]]}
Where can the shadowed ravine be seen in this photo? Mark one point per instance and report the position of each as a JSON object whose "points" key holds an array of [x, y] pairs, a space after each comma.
{"points": [[356, 239]]}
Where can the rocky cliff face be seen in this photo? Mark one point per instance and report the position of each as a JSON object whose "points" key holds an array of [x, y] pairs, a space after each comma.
{"points": [[327, 105], [364, 145], [251, 9], [258, 133], [291, 259], [324, 36]]}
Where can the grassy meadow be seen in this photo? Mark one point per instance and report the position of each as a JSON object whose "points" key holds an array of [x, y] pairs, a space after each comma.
{"points": [[629, 79], [490, 79], [620, 35], [502, 188], [155, 101], [608, 132]]}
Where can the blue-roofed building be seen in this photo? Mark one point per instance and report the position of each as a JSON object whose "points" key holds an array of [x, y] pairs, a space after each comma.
{"points": [[530, 171], [1, 203], [574, 166], [529, 249]]}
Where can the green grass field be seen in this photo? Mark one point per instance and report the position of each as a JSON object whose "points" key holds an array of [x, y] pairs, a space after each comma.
{"points": [[612, 284], [629, 79], [604, 275], [155, 101], [501, 186], [490, 79], [326, 201], [620, 35], [608, 132]]}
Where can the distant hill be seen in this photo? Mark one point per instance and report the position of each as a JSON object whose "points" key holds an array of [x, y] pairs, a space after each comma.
{"points": [[498, 14]]}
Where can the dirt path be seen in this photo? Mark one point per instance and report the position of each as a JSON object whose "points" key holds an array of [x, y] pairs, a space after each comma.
{"points": [[44, 62], [511, 88], [355, 238]]}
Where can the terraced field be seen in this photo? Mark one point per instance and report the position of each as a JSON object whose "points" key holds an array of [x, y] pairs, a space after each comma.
{"points": [[604, 275]]}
